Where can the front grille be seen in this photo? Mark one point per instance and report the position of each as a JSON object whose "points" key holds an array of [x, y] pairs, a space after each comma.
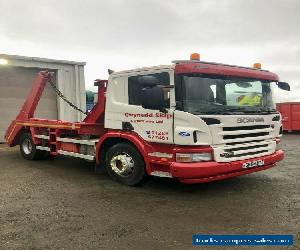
{"points": [[246, 148], [246, 127], [244, 142], [245, 135], [247, 154], [237, 143]]}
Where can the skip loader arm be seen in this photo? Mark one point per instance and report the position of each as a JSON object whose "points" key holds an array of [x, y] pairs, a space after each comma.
{"points": [[27, 111]]}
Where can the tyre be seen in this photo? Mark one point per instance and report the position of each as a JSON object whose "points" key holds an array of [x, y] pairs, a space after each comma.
{"points": [[28, 148], [125, 164]]}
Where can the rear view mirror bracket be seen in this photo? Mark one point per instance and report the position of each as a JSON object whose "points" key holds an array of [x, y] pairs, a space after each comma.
{"points": [[283, 86]]}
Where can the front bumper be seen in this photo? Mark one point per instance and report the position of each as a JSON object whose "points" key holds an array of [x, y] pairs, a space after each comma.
{"points": [[200, 172]]}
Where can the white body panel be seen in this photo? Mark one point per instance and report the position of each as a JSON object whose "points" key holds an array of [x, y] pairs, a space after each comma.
{"points": [[185, 125], [244, 140], [151, 125]]}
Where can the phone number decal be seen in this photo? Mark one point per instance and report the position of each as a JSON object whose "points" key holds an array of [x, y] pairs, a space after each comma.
{"points": [[158, 135]]}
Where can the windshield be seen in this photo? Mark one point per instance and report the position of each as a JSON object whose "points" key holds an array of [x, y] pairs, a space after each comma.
{"points": [[224, 95]]}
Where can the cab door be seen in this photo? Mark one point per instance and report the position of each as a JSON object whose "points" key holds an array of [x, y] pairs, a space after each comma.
{"points": [[129, 115]]}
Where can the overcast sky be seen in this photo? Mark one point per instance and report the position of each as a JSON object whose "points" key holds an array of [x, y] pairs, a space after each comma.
{"points": [[133, 33]]}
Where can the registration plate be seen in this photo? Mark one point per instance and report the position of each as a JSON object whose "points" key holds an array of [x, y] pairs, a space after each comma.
{"points": [[251, 164]]}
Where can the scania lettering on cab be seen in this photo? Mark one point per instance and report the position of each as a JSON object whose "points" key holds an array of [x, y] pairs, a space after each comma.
{"points": [[194, 121]]}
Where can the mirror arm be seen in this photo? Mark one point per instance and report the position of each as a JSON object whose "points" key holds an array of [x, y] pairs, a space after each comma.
{"points": [[163, 110]]}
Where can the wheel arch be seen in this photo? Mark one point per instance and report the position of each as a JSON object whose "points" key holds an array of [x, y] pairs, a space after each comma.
{"points": [[16, 139], [113, 138]]}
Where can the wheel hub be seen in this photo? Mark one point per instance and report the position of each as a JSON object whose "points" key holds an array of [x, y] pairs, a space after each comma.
{"points": [[122, 164], [27, 146]]}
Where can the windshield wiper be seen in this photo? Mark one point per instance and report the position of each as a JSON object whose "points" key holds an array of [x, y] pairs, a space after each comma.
{"points": [[233, 110], [267, 110], [240, 109], [216, 111], [254, 109], [220, 112]]}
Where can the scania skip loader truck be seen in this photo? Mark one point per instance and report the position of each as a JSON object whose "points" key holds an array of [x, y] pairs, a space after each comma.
{"points": [[194, 121]]}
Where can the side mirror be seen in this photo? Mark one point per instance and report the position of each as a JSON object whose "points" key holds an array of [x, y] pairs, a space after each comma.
{"points": [[153, 98], [148, 81], [284, 86]]}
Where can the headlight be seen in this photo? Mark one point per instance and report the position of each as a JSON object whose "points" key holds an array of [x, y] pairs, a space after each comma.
{"points": [[193, 157]]}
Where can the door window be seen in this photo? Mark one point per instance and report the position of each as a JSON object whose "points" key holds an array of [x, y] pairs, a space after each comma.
{"points": [[135, 87]]}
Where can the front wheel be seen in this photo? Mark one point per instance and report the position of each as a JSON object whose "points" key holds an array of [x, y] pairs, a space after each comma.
{"points": [[125, 164], [28, 148]]}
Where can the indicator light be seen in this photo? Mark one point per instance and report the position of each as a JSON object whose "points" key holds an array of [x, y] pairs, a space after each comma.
{"points": [[195, 56], [257, 65]]}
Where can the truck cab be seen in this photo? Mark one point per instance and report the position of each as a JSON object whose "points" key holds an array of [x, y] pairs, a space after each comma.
{"points": [[199, 114]]}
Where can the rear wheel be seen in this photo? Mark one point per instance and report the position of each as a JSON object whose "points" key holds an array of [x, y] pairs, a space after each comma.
{"points": [[28, 148], [125, 164]]}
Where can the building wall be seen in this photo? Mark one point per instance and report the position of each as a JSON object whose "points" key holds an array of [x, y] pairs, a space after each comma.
{"points": [[69, 80], [15, 83]]}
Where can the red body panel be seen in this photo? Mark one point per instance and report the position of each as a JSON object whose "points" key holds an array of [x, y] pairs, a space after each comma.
{"points": [[188, 173], [191, 172], [97, 113], [290, 112], [210, 171], [219, 69], [144, 147], [71, 147]]}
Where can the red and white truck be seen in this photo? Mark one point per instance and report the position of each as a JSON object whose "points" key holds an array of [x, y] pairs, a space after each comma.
{"points": [[192, 120]]}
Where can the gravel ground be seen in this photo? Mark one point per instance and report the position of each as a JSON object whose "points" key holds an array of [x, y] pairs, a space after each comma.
{"points": [[63, 204]]}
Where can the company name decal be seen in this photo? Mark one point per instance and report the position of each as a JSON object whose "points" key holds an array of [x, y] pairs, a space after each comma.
{"points": [[250, 119], [148, 117], [151, 115]]}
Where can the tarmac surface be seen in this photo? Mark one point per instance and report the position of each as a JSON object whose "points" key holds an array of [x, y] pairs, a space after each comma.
{"points": [[63, 204]]}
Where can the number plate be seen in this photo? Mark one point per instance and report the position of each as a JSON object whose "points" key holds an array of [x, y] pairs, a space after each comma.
{"points": [[251, 164]]}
